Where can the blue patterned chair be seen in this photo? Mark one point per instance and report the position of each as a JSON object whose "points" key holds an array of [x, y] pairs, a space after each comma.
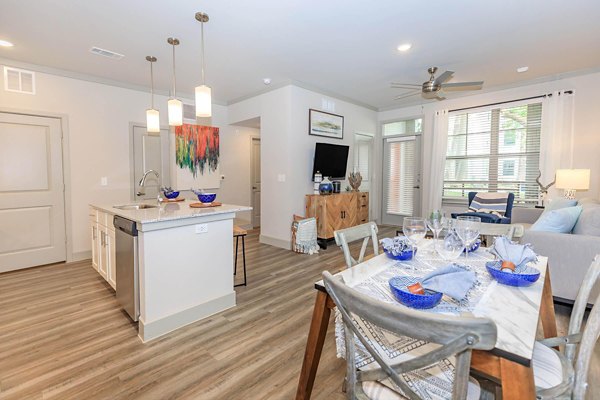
{"points": [[490, 218]]}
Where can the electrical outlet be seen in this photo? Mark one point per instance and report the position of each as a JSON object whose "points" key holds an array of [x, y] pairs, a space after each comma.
{"points": [[104, 181], [202, 228]]}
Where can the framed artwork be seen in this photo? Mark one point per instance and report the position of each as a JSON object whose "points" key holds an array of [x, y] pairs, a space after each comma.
{"points": [[197, 156], [322, 123]]}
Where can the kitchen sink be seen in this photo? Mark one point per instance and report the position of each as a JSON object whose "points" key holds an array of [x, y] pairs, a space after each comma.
{"points": [[134, 206]]}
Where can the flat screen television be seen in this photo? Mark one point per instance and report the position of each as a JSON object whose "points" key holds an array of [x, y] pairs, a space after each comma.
{"points": [[331, 160]]}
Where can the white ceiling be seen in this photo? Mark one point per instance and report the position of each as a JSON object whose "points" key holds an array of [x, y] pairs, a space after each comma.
{"points": [[340, 46]]}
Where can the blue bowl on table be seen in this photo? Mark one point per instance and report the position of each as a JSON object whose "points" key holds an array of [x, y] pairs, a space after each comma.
{"points": [[404, 256], [207, 197], [474, 246], [170, 194], [398, 286], [525, 277]]}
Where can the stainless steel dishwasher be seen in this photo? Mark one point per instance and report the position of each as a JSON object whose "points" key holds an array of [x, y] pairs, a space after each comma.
{"points": [[127, 266]]}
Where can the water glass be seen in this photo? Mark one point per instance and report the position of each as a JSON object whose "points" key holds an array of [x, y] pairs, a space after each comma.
{"points": [[451, 246], [467, 228], [414, 229], [436, 222]]}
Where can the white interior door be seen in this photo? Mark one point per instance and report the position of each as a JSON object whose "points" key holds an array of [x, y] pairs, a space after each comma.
{"points": [[150, 152], [32, 204], [401, 179], [255, 182]]}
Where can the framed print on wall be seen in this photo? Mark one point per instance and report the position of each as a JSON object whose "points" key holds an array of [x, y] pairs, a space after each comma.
{"points": [[322, 123]]}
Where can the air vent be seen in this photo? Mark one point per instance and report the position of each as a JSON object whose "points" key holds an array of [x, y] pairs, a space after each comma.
{"points": [[189, 112], [106, 53], [19, 80]]}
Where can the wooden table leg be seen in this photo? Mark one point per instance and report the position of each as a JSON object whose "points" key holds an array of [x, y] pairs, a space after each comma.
{"points": [[547, 314], [314, 345], [517, 381]]}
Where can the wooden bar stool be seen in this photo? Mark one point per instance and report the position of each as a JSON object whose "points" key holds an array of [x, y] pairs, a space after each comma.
{"points": [[237, 234]]}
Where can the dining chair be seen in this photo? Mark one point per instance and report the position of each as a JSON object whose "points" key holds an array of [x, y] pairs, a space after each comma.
{"points": [[563, 375], [456, 337], [344, 237]]}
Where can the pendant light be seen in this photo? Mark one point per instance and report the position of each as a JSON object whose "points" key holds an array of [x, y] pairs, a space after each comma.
{"points": [[175, 106], [203, 92], [152, 115]]}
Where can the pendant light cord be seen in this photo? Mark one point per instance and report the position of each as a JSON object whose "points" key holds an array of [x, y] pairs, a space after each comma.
{"points": [[152, 84], [202, 41], [174, 78]]}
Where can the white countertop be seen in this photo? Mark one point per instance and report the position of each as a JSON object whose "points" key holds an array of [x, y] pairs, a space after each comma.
{"points": [[168, 211]]}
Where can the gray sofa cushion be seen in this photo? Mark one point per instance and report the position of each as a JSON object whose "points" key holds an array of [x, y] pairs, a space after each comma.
{"points": [[589, 220]]}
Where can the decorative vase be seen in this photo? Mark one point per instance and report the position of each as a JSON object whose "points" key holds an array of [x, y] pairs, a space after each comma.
{"points": [[326, 187], [355, 179]]}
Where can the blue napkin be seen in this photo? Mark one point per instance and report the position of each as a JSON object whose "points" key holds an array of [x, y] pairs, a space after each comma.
{"points": [[451, 280], [518, 254]]}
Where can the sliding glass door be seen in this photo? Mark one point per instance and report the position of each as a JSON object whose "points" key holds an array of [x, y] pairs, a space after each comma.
{"points": [[401, 178]]}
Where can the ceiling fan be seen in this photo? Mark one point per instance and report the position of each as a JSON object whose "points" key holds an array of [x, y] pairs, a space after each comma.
{"points": [[434, 87]]}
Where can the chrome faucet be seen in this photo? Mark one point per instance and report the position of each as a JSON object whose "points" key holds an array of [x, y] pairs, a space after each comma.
{"points": [[142, 183]]}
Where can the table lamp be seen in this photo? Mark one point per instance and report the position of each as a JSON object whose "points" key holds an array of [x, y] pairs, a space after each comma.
{"points": [[572, 180]]}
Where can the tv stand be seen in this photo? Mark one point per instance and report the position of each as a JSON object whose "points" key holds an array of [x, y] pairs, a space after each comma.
{"points": [[337, 211]]}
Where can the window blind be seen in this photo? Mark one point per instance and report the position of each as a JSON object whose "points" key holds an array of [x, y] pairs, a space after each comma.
{"points": [[401, 173], [494, 150]]}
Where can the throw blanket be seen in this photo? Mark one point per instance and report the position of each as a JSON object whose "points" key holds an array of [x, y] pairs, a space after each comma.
{"points": [[491, 203], [306, 236]]}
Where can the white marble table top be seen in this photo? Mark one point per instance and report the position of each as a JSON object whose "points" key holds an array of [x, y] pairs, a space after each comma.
{"points": [[514, 310]]}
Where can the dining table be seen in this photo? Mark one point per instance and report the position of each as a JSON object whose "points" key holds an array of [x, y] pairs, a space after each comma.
{"points": [[516, 311]]}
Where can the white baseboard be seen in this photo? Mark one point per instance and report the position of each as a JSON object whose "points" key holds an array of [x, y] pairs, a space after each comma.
{"points": [[80, 256], [284, 244], [154, 329]]}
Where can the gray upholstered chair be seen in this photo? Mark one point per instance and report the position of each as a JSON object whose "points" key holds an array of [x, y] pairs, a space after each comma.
{"points": [[564, 375], [456, 337], [344, 237]]}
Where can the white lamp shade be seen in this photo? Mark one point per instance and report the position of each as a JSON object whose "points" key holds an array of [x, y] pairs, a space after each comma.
{"points": [[152, 121], [575, 179], [175, 112], [203, 101]]}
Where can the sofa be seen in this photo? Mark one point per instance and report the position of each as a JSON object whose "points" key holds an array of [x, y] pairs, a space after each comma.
{"points": [[569, 254]]}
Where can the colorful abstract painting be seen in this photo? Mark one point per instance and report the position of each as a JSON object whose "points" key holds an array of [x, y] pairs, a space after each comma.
{"points": [[197, 148]]}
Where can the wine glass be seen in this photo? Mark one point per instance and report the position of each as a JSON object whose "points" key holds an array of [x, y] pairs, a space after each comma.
{"points": [[414, 229], [467, 228], [452, 246], [436, 222]]}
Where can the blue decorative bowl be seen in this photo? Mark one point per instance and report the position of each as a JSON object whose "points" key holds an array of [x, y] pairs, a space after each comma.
{"points": [[474, 246], [325, 188], [170, 194], [526, 277], [404, 256], [207, 197], [398, 286]]}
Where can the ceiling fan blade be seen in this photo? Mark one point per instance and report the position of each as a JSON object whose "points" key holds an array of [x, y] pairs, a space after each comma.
{"points": [[404, 84], [402, 96], [443, 77], [463, 86]]}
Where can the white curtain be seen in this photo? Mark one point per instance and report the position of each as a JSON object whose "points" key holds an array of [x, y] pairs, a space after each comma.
{"points": [[556, 147], [434, 175]]}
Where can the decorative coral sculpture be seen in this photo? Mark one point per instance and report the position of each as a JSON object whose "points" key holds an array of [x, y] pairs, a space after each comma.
{"points": [[355, 179]]}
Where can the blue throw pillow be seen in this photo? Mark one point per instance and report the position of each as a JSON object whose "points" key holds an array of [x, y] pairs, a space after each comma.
{"points": [[560, 221], [556, 204]]}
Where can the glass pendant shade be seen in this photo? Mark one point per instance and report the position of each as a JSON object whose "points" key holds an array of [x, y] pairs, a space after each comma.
{"points": [[152, 121], [203, 101], [175, 112]]}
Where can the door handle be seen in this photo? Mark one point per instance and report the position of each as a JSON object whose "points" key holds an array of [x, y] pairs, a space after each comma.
{"points": [[254, 187], [417, 187]]}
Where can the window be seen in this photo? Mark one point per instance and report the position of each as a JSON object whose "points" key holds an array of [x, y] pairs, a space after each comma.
{"points": [[408, 127], [494, 150]]}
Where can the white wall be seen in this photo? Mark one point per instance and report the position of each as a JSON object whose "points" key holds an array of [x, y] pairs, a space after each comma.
{"points": [[586, 125], [98, 132], [287, 149]]}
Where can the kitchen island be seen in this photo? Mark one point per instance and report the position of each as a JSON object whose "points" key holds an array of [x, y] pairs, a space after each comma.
{"points": [[185, 262]]}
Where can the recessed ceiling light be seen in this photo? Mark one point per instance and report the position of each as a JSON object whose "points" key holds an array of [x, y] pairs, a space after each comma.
{"points": [[5, 43], [267, 81], [404, 47], [522, 69]]}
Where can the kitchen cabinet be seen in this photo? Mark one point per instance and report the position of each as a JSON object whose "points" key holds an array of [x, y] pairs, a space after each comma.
{"points": [[103, 245]]}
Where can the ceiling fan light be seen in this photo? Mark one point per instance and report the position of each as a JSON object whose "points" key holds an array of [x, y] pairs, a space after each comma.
{"points": [[175, 112], [203, 101], [152, 121]]}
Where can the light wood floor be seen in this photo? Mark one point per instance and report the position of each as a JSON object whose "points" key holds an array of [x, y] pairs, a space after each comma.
{"points": [[63, 336]]}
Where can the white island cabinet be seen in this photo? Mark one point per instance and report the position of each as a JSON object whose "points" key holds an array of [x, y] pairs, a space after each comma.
{"points": [[185, 259], [103, 245]]}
